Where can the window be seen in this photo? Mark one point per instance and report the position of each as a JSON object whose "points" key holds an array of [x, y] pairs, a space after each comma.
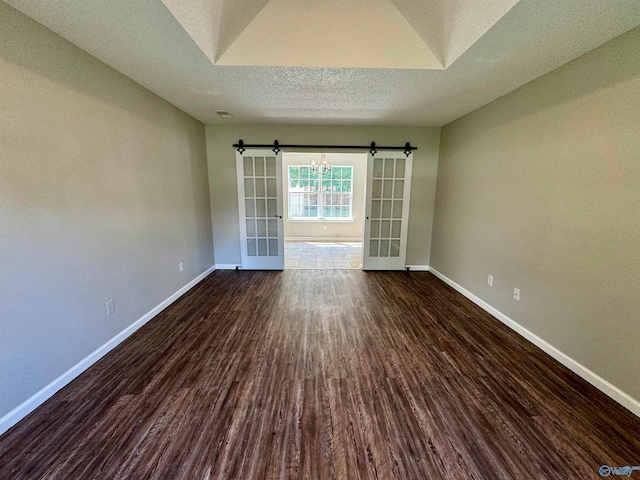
{"points": [[312, 195]]}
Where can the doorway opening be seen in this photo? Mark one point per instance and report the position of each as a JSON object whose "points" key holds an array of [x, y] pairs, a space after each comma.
{"points": [[305, 255], [324, 211]]}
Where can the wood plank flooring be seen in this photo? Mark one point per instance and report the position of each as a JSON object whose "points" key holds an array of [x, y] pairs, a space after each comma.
{"points": [[323, 374]]}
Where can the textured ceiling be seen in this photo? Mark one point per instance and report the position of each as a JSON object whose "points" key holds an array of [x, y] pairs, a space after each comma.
{"points": [[170, 47]]}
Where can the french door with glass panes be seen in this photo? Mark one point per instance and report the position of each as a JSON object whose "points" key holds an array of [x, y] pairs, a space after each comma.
{"points": [[259, 175], [387, 211]]}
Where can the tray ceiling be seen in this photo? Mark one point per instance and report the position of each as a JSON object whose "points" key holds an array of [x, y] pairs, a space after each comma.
{"points": [[385, 62]]}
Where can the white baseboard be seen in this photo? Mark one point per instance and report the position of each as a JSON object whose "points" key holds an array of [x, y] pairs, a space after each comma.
{"points": [[37, 399], [227, 266], [594, 379], [323, 239], [418, 268]]}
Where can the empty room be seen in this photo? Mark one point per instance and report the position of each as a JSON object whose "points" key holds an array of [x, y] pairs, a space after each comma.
{"points": [[276, 239]]}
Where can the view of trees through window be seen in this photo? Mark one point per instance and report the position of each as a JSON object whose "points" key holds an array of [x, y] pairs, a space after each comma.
{"points": [[312, 195]]}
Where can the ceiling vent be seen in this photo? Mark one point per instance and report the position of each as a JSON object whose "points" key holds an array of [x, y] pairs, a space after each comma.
{"points": [[223, 114]]}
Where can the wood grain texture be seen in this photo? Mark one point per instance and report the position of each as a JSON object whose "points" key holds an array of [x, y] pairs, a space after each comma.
{"points": [[323, 374]]}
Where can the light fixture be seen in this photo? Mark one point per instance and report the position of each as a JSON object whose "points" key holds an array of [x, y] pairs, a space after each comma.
{"points": [[323, 168]]}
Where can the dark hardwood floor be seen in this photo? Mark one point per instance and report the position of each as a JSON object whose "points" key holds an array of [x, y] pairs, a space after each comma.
{"points": [[321, 374]]}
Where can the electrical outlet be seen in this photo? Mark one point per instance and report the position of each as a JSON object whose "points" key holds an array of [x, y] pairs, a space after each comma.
{"points": [[490, 280], [181, 266], [325, 227], [516, 294], [111, 307]]}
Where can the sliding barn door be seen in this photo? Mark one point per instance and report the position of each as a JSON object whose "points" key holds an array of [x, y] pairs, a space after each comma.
{"points": [[259, 175], [387, 211]]}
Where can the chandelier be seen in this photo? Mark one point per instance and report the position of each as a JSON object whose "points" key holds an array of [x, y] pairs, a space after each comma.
{"points": [[323, 168]]}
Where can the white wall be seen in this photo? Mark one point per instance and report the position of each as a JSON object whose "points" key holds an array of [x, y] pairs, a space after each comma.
{"points": [[335, 230], [103, 191]]}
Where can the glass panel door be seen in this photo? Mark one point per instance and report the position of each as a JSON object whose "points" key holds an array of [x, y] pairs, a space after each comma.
{"points": [[259, 175], [387, 214]]}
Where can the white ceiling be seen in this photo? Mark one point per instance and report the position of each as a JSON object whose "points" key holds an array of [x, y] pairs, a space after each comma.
{"points": [[488, 48], [330, 33]]}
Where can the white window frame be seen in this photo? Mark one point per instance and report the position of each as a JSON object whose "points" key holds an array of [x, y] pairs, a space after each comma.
{"points": [[320, 193]]}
